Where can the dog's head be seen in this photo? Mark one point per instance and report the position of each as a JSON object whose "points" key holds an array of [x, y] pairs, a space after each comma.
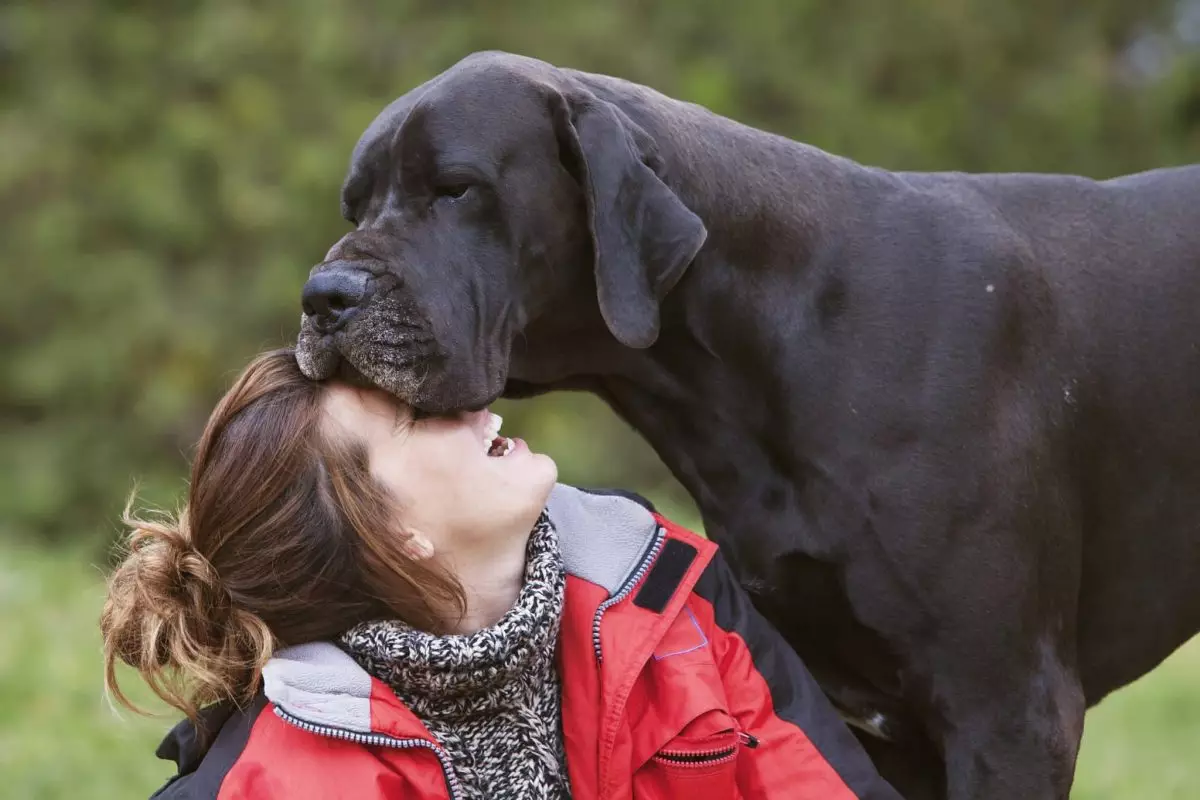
{"points": [[498, 193]]}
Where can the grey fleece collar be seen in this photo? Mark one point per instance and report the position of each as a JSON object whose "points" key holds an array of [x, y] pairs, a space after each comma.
{"points": [[602, 538], [321, 684]]}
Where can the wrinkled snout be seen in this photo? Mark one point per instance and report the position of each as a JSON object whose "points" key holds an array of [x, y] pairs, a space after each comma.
{"points": [[333, 296]]}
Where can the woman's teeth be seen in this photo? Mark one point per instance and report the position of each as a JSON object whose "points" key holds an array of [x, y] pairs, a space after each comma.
{"points": [[494, 444], [501, 447]]}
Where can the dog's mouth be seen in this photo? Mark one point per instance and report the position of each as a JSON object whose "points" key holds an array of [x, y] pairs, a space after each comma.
{"points": [[345, 372], [388, 351]]}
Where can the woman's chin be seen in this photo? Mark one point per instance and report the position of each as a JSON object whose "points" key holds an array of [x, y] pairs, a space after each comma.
{"points": [[546, 471]]}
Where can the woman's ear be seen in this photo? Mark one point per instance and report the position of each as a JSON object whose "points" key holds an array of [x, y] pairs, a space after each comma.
{"points": [[418, 546]]}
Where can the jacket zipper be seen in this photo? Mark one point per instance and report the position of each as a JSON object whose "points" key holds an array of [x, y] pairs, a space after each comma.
{"points": [[697, 758], [708, 757], [656, 546], [652, 552], [380, 740]]}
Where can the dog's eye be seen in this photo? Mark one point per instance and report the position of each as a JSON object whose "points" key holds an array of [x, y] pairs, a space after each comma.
{"points": [[453, 191]]}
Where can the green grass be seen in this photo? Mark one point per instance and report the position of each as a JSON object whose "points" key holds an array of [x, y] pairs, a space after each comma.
{"points": [[60, 739]]}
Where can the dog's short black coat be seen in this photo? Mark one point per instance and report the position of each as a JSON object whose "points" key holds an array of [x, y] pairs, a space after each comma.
{"points": [[944, 425]]}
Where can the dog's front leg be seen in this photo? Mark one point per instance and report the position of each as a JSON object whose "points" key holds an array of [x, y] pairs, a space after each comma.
{"points": [[976, 582], [1014, 740]]}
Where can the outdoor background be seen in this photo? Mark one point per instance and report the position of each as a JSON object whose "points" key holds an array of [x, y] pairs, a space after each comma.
{"points": [[169, 172]]}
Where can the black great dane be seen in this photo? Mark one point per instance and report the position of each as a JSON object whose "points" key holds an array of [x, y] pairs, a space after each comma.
{"points": [[944, 425]]}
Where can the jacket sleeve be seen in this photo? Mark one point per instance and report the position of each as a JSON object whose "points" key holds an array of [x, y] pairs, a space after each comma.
{"points": [[799, 747]]}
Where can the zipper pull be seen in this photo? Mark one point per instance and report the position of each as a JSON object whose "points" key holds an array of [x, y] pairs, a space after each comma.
{"points": [[748, 739]]}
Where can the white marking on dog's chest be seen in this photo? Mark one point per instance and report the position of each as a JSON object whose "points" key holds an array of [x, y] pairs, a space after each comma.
{"points": [[875, 724]]}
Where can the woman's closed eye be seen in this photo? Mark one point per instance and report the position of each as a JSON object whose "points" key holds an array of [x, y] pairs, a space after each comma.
{"points": [[406, 417]]}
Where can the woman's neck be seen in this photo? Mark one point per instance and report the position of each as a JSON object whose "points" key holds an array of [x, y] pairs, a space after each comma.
{"points": [[491, 575]]}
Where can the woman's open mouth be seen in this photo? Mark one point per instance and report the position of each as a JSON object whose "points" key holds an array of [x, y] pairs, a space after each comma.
{"points": [[495, 445]]}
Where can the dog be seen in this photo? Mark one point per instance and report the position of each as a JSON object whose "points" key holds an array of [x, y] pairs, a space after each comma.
{"points": [[944, 425]]}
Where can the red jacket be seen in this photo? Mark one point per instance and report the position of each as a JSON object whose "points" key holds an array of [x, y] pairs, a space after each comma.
{"points": [[673, 686]]}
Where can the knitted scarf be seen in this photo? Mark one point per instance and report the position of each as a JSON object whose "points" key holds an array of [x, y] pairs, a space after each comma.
{"points": [[492, 699]]}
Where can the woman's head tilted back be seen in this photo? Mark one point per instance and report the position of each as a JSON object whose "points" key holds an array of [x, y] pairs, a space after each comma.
{"points": [[312, 507]]}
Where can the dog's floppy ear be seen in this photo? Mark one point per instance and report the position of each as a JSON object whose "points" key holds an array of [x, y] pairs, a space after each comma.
{"points": [[643, 236]]}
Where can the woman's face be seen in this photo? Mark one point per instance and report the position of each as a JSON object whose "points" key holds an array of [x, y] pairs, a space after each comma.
{"points": [[456, 482]]}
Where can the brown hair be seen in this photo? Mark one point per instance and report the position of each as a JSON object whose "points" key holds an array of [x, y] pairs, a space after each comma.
{"points": [[285, 538]]}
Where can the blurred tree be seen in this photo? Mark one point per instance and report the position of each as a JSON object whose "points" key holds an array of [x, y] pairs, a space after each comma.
{"points": [[169, 170]]}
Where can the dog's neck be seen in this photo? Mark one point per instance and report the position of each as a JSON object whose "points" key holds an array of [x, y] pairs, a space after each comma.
{"points": [[708, 395]]}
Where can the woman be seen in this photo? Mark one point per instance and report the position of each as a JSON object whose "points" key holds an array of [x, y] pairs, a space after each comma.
{"points": [[361, 601]]}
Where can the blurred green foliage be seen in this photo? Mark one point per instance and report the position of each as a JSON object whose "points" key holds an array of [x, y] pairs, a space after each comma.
{"points": [[169, 171]]}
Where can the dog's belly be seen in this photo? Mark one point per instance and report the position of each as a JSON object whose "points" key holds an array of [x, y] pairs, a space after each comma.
{"points": [[1137, 456], [1138, 597]]}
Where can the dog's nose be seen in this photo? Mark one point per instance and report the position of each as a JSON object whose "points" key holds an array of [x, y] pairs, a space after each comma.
{"points": [[330, 296]]}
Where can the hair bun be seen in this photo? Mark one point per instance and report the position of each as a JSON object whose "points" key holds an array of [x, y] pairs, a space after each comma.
{"points": [[171, 571], [169, 616]]}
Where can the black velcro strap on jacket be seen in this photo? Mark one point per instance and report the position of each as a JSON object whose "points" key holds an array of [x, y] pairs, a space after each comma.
{"points": [[665, 576]]}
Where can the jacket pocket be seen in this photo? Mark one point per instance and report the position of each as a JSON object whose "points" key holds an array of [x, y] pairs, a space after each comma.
{"points": [[698, 764]]}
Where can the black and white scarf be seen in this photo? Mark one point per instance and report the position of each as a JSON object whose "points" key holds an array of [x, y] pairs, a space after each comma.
{"points": [[492, 698]]}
